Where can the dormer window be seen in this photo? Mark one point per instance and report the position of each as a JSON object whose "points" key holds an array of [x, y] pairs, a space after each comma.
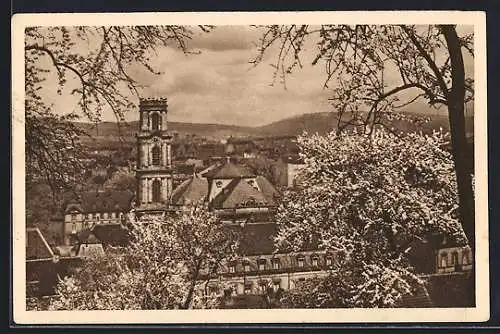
{"points": [[276, 264], [232, 268], [301, 262], [444, 260], [314, 260], [262, 264], [328, 260], [246, 266]]}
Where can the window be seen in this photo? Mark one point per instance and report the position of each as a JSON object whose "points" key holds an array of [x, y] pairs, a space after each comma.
{"points": [[232, 268], [248, 287], [113, 215], [73, 217], [246, 266], [314, 261], [444, 260], [218, 184], [262, 264], [156, 153], [276, 264], [155, 122], [300, 262], [156, 191], [465, 257], [454, 259], [97, 217], [105, 215], [328, 260], [276, 286], [89, 216], [73, 228]]}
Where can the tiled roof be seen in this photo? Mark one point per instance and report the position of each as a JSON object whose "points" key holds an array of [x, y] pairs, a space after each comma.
{"points": [[191, 190], [36, 246], [111, 234], [238, 193], [86, 236], [267, 188], [102, 201], [229, 171]]}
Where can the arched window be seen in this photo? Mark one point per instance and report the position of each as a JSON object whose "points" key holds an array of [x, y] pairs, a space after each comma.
{"points": [[465, 257], [156, 191], [155, 122], [444, 260], [156, 152], [454, 260]]}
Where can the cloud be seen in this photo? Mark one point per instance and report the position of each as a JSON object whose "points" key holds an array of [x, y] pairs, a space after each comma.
{"points": [[224, 38], [218, 85]]}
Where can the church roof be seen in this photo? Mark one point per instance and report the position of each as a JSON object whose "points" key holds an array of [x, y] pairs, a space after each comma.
{"points": [[267, 188], [239, 193], [102, 201], [191, 191], [229, 171]]}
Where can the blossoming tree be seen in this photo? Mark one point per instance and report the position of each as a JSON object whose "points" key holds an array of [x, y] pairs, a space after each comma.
{"points": [[376, 71], [167, 265], [367, 199]]}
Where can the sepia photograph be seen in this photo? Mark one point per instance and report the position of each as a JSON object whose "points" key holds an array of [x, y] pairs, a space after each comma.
{"points": [[249, 167]]}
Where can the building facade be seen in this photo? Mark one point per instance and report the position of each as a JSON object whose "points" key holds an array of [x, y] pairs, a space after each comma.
{"points": [[286, 170], [154, 158], [94, 208]]}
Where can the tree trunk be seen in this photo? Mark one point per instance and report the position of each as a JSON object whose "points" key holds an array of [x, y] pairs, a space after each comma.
{"points": [[459, 143], [458, 139], [190, 295]]}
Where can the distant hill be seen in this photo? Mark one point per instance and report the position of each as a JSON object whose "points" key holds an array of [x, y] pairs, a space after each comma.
{"points": [[312, 123], [128, 130]]}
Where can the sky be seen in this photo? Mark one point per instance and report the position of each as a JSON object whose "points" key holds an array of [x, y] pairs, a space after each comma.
{"points": [[219, 85]]}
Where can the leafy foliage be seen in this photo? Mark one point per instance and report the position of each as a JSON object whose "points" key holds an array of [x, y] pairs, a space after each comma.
{"points": [[167, 265], [368, 198]]}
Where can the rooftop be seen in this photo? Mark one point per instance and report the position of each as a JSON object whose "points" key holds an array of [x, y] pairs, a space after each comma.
{"points": [[101, 201], [229, 170], [190, 191], [37, 247]]}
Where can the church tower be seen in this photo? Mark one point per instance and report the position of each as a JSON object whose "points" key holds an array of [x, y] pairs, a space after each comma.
{"points": [[154, 158]]}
